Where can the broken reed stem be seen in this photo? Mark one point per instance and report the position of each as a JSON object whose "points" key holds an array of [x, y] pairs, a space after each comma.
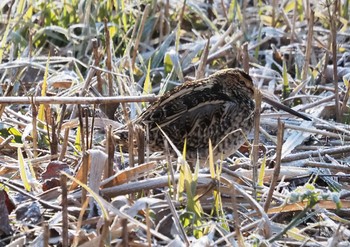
{"points": [[173, 189], [274, 8], [61, 118], [345, 102], [140, 135], [96, 57], [81, 126], [131, 144], [245, 58], [54, 135], [104, 239], [83, 91], [167, 16], [92, 127], [255, 149], [325, 66], [148, 224], [86, 124], [85, 172], [236, 219], [333, 19], [277, 168], [203, 61], [178, 27], [65, 240], [161, 21], [308, 45], [110, 147], [64, 144], [109, 58], [80, 222], [224, 51], [46, 234], [139, 35], [125, 232], [34, 130]]}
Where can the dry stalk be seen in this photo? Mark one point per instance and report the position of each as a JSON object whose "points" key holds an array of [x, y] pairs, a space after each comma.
{"points": [[85, 172], [221, 40], [220, 53], [176, 218], [139, 35], [131, 143], [255, 150], [345, 102], [304, 155], [14, 186], [125, 233], [245, 58], [293, 34], [308, 45], [181, 17], [108, 58], [148, 224], [292, 28], [96, 57], [200, 73], [325, 66], [267, 229], [277, 169], [110, 147], [299, 128], [140, 138], [6, 141], [104, 240], [46, 234], [333, 19], [316, 103], [54, 136], [61, 119], [170, 167], [78, 100], [273, 14], [161, 21], [80, 223], [81, 126], [86, 125], [148, 184], [336, 168], [65, 236], [64, 144], [237, 221], [167, 16], [34, 131]]}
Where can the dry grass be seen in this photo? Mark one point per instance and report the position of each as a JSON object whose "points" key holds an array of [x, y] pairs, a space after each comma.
{"points": [[68, 68]]}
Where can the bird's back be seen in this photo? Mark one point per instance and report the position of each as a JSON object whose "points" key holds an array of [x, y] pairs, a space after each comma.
{"points": [[212, 108]]}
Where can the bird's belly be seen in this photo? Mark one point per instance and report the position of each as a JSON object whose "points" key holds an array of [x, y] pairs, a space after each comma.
{"points": [[225, 139]]}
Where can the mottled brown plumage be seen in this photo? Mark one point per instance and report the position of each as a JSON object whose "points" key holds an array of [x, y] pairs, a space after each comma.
{"points": [[219, 107]]}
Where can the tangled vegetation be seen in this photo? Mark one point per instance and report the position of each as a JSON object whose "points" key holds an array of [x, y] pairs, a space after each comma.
{"points": [[73, 71]]}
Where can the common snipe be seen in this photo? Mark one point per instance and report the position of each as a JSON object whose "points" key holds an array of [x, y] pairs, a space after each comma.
{"points": [[220, 107]]}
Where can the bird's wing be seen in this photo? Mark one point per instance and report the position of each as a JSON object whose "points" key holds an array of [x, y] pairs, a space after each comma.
{"points": [[191, 123]]}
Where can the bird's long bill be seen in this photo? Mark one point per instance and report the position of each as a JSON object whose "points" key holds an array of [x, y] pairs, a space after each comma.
{"points": [[282, 107]]}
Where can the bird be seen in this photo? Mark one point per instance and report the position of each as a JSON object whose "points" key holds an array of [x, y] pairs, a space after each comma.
{"points": [[219, 108]]}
